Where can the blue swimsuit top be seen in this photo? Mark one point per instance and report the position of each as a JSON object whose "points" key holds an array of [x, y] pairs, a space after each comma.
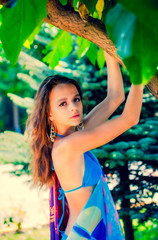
{"points": [[91, 176]]}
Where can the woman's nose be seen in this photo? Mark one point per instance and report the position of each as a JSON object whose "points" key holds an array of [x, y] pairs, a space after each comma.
{"points": [[72, 106]]}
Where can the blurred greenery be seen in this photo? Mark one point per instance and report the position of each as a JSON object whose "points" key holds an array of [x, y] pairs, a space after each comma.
{"points": [[14, 149], [146, 231]]}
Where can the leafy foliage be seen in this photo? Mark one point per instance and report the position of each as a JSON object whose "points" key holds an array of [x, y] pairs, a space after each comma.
{"points": [[18, 23], [132, 36], [62, 46], [130, 25]]}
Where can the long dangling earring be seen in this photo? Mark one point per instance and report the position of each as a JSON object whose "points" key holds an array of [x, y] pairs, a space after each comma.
{"points": [[52, 133], [80, 126]]}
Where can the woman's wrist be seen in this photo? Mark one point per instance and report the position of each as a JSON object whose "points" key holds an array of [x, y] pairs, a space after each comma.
{"points": [[110, 59]]}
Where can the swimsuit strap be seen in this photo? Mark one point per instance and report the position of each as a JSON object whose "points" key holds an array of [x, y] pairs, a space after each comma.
{"points": [[74, 189], [59, 135], [62, 197]]}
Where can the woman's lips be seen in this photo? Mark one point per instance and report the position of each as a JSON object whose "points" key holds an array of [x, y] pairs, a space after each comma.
{"points": [[75, 116]]}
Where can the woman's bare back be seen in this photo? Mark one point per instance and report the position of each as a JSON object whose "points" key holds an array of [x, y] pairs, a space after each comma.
{"points": [[71, 176]]}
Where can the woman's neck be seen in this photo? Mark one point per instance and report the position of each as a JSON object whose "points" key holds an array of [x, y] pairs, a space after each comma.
{"points": [[65, 132]]}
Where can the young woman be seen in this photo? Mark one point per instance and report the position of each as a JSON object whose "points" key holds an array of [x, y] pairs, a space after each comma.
{"points": [[81, 206]]}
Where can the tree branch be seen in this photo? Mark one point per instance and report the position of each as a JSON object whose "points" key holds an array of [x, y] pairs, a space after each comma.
{"points": [[64, 17], [152, 86], [3, 2]]}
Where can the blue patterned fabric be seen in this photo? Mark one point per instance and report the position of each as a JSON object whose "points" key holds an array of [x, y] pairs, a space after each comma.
{"points": [[99, 219], [89, 179], [64, 236]]}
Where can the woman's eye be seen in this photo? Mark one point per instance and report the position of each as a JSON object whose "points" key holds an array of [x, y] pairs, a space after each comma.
{"points": [[62, 104], [77, 99]]}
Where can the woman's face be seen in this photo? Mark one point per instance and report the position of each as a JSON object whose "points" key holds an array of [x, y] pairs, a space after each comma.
{"points": [[66, 108]]}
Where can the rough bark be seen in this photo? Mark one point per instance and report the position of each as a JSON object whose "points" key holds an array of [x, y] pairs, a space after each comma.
{"points": [[152, 86], [3, 2]]}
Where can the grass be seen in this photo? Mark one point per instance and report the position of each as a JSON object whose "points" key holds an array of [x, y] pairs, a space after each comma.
{"points": [[29, 234], [43, 233]]}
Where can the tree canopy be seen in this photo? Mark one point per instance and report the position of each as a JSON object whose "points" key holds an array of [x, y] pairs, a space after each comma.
{"points": [[132, 26]]}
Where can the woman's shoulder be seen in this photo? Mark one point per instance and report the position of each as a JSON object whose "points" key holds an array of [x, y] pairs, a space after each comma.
{"points": [[63, 152]]}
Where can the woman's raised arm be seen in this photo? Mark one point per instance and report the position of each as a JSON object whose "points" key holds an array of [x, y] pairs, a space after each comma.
{"points": [[115, 96], [80, 142], [115, 88]]}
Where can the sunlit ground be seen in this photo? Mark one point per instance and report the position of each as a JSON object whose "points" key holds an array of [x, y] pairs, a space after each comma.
{"points": [[30, 234], [20, 201]]}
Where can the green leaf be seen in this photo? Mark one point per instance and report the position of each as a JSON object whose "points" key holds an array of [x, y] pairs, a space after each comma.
{"points": [[145, 10], [75, 3], [0, 19], [63, 2], [83, 46], [30, 39], [100, 7], [91, 5], [92, 53], [18, 23], [132, 35], [100, 58], [62, 47]]}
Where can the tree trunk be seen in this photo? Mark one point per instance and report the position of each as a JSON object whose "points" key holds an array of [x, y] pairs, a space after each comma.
{"points": [[125, 204], [16, 118]]}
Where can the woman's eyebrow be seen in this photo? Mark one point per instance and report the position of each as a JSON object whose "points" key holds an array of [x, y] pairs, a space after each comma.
{"points": [[61, 99]]}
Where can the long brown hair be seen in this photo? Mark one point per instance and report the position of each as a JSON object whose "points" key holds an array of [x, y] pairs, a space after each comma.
{"points": [[38, 130]]}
